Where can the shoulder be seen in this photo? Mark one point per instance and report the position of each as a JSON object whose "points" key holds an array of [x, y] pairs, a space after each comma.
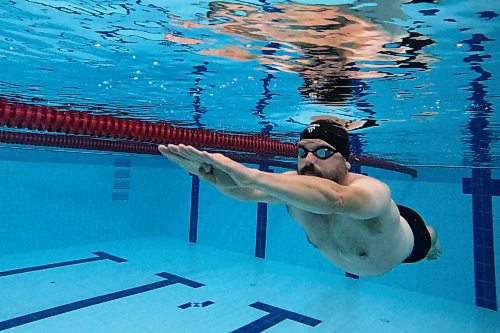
{"points": [[369, 189], [358, 180], [366, 197]]}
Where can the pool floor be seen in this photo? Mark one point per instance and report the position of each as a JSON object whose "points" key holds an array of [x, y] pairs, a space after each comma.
{"points": [[165, 285]]}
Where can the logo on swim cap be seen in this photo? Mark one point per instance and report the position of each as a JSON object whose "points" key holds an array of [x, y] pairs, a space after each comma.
{"points": [[312, 127]]}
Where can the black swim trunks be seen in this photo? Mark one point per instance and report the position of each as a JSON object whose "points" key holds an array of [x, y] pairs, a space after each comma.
{"points": [[421, 236]]}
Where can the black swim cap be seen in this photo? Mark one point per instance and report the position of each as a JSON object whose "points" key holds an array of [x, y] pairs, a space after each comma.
{"points": [[330, 132]]}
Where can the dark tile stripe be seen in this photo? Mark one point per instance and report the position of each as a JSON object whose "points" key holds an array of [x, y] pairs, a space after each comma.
{"points": [[260, 241], [261, 233], [482, 188], [195, 197], [100, 256], [275, 316], [35, 316]]}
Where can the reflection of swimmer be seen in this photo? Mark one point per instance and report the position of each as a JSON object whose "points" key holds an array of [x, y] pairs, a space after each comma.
{"points": [[349, 125], [326, 45], [350, 218]]}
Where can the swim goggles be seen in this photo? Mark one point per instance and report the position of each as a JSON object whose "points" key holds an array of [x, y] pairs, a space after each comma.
{"points": [[321, 152]]}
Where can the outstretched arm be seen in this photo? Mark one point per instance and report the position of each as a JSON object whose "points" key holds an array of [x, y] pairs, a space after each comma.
{"points": [[183, 156], [364, 198]]}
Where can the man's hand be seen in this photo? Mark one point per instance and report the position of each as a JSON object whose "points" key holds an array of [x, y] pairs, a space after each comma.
{"points": [[171, 152], [230, 177], [239, 174], [184, 157]]}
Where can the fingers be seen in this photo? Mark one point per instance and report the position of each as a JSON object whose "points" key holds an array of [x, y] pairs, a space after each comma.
{"points": [[168, 149], [219, 161], [186, 156], [166, 152], [163, 149], [192, 154], [173, 151]]}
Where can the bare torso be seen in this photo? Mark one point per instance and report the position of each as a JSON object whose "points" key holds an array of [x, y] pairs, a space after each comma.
{"points": [[362, 247]]}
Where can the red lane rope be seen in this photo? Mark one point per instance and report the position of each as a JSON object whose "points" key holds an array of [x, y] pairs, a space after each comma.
{"points": [[138, 136], [35, 117], [77, 142]]}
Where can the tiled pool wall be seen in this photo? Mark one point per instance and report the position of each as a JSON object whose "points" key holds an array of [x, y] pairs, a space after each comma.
{"points": [[57, 199]]}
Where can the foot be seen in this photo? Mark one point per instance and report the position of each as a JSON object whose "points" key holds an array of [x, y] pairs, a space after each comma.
{"points": [[435, 251]]}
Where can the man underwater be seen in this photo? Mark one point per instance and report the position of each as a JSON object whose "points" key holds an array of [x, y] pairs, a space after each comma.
{"points": [[350, 218]]}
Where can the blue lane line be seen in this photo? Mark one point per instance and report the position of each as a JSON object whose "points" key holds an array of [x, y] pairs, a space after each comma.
{"points": [[260, 239], [262, 324], [275, 316], [100, 256], [261, 233], [35, 316], [483, 188], [195, 197]]}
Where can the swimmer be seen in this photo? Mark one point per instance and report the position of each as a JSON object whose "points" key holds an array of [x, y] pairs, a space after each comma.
{"points": [[350, 218]]}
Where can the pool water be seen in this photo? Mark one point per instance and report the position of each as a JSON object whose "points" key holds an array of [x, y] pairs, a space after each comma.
{"points": [[84, 247], [101, 240]]}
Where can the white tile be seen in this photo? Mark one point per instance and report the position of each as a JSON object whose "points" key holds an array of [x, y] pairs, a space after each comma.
{"points": [[232, 281]]}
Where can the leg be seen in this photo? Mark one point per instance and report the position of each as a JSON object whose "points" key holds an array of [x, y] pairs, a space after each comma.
{"points": [[435, 251]]}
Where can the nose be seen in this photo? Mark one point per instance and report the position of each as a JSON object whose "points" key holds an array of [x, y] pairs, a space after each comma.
{"points": [[309, 157]]}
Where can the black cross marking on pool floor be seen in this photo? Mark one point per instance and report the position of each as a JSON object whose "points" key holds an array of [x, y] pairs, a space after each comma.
{"points": [[195, 305], [99, 256]]}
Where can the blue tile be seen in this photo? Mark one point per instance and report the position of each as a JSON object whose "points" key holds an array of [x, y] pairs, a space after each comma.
{"points": [[260, 237], [467, 186], [123, 163], [495, 187], [352, 276], [481, 187], [122, 173], [121, 184], [120, 196], [193, 219]]}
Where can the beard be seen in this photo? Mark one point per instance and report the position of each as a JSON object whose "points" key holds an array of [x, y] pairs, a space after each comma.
{"points": [[311, 170]]}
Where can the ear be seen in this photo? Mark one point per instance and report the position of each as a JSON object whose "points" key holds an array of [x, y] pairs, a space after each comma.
{"points": [[348, 165]]}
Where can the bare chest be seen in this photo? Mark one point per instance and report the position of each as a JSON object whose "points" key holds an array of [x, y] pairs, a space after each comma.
{"points": [[362, 247], [340, 236]]}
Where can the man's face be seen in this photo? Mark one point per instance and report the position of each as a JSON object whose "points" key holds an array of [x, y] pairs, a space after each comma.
{"points": [[332, 166]]}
